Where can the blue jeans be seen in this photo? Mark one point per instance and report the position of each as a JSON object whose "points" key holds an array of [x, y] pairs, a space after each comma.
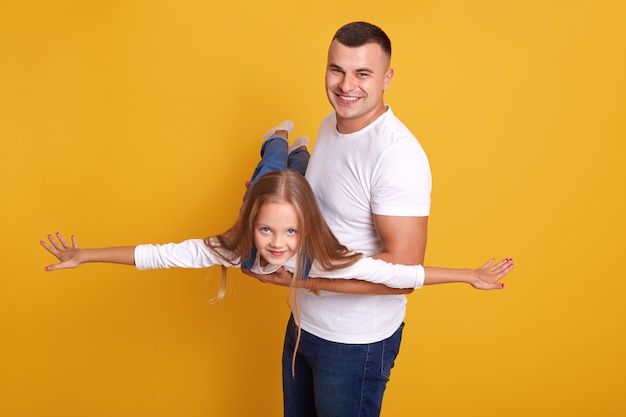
{"points": [[275, 156], [336, 379]]}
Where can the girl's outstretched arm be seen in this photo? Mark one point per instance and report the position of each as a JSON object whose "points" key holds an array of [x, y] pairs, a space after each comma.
{"points": [[484, 278], [70, 256]]}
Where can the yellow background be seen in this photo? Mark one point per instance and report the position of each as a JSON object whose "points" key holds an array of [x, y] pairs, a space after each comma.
{"points": [[138, 121]]}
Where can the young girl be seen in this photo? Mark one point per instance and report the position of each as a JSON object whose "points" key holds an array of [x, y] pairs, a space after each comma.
{"points": [[282, 220], [279, 224]]}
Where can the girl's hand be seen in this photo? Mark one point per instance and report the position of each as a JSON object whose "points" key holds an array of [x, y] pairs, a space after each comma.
{"points": [[488, 275], [68, 255]]}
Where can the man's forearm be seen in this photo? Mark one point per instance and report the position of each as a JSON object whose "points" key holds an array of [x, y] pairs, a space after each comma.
{"points": [[350, 286]]}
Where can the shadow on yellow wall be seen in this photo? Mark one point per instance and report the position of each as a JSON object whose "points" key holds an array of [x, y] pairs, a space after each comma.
{"points": [[137, 121]]}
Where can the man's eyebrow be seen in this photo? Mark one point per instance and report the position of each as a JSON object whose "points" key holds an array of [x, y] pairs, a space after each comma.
{"points": [[337, 67]]}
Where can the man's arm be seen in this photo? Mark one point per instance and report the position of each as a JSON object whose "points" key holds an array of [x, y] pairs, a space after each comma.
{"points": [[283, 278], [403, 239], [403, 242]]}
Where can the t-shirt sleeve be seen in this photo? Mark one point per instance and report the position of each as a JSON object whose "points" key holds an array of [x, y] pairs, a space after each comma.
{"points": [[192, 253], [402, 182]]}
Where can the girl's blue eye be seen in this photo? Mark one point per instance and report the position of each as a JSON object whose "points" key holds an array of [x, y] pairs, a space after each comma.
{"points": [[292, 231], [265, 229]]}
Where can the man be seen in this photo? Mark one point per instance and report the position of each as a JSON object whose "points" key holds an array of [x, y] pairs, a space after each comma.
{"points": [[372, 180]]}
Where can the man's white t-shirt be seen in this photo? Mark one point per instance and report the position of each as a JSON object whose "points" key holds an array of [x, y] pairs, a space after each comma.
{"points": [[381, 169]]}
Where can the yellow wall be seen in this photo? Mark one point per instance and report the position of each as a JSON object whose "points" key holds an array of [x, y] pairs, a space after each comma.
{"points": [[138, 121]]}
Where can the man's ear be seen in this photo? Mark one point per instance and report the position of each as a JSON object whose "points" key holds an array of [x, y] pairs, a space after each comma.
{"points": [[388, 77]]}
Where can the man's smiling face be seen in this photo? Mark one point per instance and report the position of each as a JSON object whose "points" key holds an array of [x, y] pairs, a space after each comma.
{"points": [[356, 79]]}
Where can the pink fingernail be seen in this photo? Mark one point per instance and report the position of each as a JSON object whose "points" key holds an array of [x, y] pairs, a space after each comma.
{"points": [[502, 286], [47, 268]]}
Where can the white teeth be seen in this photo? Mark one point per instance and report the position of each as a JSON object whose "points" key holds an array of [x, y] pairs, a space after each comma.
{"points": [[348, 98]]}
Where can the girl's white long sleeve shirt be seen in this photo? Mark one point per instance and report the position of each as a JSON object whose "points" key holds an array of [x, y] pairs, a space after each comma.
{"points": [[194, 253]]}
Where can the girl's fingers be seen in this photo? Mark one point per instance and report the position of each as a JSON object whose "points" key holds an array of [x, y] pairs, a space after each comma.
{"points": [[47, 246], [62, 240], [486, 265], [54, 242], [504, 269], [58, 242], [503, 265]]}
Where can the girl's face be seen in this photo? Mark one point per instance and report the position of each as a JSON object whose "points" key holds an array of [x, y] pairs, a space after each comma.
{"points": [[276, 233]]}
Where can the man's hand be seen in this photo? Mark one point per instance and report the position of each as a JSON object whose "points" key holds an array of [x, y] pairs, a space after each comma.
{"points": [[280, 277]]}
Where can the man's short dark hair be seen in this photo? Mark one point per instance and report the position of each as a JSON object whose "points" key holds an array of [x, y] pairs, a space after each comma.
{"points": [[361, 33]]}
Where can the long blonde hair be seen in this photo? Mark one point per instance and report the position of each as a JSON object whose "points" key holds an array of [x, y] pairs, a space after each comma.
{"points": [[317, 242]]}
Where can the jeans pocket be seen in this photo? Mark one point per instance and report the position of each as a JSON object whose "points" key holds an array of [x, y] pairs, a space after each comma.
{"points": [[390, 350]]}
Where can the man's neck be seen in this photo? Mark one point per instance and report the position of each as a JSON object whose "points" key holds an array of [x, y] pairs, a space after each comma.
{"points": [[347, 125]]}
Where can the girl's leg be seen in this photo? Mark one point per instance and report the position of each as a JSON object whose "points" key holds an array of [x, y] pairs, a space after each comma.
{"points": [[298, 158], [273, 152]]}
